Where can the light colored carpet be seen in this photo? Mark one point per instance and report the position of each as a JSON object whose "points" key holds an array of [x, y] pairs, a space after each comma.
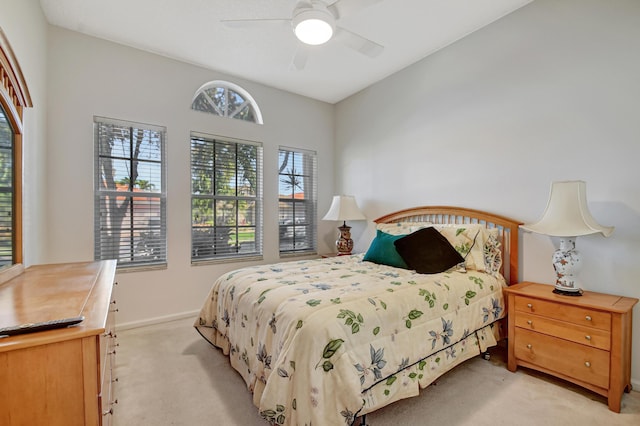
{"points": [[169, 375]]}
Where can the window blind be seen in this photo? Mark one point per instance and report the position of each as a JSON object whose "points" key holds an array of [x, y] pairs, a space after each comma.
{"points": [[6, 191], [226, 198], [297, 200], [130, 193]]}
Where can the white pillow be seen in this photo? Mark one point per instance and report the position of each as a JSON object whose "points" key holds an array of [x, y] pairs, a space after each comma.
{"points": [[402, 228]]}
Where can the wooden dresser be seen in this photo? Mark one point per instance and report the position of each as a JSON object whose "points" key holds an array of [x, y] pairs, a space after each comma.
{"points": [[583, 339], [64, 376]]}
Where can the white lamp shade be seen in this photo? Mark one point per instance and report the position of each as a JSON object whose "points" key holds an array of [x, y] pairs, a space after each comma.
{"points": [[567, 214], [344, 207]]}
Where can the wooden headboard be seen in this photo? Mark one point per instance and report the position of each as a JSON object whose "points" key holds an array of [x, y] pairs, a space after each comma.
{"points": [[507, 229]]}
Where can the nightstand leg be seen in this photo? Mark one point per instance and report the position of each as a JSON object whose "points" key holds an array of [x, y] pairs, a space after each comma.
{"points": [[511, 332], [614, 402]]}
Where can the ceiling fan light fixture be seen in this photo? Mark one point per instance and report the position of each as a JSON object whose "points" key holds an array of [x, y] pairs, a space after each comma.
{"points": [[313, 26]]}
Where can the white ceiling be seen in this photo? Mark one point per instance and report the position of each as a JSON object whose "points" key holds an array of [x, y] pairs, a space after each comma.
{"points": [[191, 31]]}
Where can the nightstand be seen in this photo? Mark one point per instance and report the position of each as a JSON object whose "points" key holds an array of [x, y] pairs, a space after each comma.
{"points": [[325, 255], [585, 340]]}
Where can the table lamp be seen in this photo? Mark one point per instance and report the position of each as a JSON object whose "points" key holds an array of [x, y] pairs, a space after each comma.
{"points": [[567, 216], [344, 207]]}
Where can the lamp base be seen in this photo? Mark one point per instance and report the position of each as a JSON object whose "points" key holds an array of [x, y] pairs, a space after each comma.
{"points": [[344, 243], [567, 262], [568, 293]]}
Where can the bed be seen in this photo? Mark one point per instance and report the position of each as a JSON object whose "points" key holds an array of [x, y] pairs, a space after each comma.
{"points": [[326, 341]]}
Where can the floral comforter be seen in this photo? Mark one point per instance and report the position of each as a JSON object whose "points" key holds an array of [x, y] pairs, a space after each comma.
{"points": [[320, 342]]}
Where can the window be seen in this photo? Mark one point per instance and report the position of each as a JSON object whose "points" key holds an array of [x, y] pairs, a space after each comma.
{"points": [[130, 194], [226, 198], [227, 100], [6, 191], [297, 200], [14, 97]]}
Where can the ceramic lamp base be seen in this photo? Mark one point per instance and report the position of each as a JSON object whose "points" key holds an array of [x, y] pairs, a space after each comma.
{"points": [[567, 262], [344, 243]]}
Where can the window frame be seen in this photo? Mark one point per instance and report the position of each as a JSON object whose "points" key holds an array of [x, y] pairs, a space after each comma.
{"points": [[310, 161], [158, 240], [224, 112], [215, 257], [14, 97]]}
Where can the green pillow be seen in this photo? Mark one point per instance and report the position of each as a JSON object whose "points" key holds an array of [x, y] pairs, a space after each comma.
{"points": [[383, 250]]}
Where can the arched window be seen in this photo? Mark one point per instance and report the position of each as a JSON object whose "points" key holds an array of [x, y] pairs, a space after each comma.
{"points": [[226, 100]]}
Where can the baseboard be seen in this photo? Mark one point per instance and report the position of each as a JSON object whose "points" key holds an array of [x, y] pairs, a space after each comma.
{"points": [[156, 320], [635, 384]]}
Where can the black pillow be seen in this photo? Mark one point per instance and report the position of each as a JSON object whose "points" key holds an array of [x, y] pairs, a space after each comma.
{"points": [[427, 251]]}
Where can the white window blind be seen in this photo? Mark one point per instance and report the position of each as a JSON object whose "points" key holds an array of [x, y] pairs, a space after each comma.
{"points": [[226, 198], [297, 200], [6, 191], [130, 193]]}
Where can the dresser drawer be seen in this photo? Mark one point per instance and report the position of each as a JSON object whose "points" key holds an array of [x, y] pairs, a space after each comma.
{"points": [[577, 361], [574, 314], [593, 337]]}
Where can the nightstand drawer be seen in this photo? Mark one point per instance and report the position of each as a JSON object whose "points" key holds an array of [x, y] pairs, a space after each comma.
{"points": [[574, 314], [587, 364], [576, 333]]}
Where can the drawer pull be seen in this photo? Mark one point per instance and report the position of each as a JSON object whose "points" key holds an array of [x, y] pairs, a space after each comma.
{"points": [[587, 337], [529, 346], [530, 322], [529, 305], [109, 411], [587, 364], [588, 317]]}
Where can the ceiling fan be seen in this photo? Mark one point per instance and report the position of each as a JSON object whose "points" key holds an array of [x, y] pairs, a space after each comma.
{"points": [[315, 22]]}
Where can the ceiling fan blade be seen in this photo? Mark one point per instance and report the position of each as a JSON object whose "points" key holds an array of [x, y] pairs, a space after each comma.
{"points": [[245, 23], [300, 58], [343, 8], [359, 43]]}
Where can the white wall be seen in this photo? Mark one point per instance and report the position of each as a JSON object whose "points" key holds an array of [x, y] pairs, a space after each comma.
{"points": [[88, 77], [550, 92], [26, 29]]}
